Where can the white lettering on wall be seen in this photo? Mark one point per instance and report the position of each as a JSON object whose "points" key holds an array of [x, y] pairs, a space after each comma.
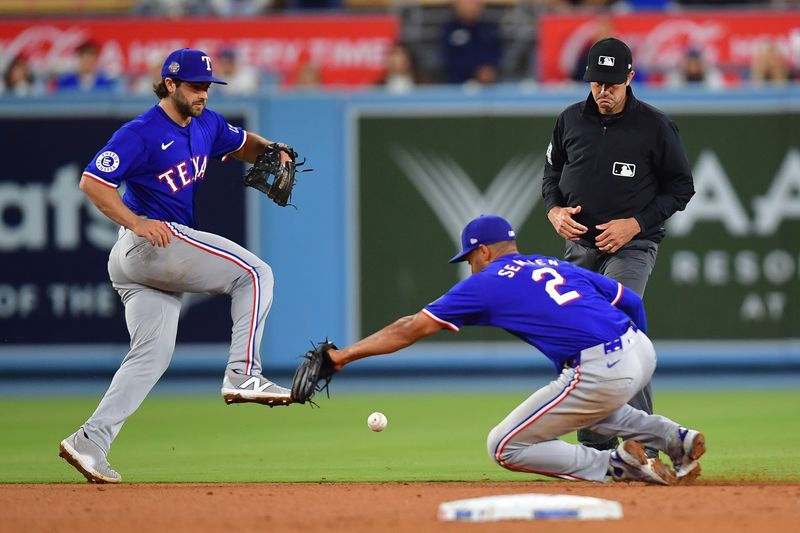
{"points": [[724, 267], [757, 308], [714, 200], [33, 203], [782, 200]]}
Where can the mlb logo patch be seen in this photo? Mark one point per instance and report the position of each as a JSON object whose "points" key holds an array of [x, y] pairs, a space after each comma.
{"points": [[605, 61], [625, 170]]}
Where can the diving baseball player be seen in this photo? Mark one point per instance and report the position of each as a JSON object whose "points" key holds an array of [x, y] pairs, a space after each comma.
{"points": [[162, 157], [590, 327]]}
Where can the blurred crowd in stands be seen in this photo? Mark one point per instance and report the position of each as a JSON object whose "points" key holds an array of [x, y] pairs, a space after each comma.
{"points": [[85, 75], [452, 42]]}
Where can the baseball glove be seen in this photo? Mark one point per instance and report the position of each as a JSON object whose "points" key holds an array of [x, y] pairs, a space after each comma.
{"points": [[315, 367], [268, 164]]}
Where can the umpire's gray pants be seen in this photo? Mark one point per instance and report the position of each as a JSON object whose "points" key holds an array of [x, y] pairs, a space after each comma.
{"points": [[631, 265]]}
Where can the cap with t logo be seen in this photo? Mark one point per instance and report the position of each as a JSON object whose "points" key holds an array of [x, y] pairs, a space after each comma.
{"points": [[188, 64], [609, 61], [485, 229]]}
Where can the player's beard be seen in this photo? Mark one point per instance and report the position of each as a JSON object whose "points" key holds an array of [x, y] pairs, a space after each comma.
{"points": [[185, 107]]}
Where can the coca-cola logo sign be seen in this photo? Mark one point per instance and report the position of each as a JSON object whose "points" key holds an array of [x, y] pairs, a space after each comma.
{"points": [[659, 41], [43, 45]]}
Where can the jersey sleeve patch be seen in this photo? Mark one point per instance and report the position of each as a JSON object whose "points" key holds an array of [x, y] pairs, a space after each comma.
{"points": [[107, 161], [435, 318], [119, 158]]}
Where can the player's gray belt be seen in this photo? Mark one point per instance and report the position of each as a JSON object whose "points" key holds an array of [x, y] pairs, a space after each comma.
{"points": [[608, 347]]}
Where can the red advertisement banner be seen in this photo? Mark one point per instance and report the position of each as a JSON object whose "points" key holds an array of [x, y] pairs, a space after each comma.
{"points": [[349, 50], [659, 41]]}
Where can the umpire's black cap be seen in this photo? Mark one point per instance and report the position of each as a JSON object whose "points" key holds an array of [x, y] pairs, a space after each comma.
{"points": [[609, 61]]}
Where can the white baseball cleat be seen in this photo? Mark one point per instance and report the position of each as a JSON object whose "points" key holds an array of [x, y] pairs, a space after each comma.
{"points": [[255, 388], [88, 458], [629, 462], [685, 460]]}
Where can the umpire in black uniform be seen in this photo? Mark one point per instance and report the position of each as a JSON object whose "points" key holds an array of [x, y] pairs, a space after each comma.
{"points": [[616, 170]]}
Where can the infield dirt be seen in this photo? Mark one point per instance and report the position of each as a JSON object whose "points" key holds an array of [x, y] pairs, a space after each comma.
{"points": [[379, 507]]}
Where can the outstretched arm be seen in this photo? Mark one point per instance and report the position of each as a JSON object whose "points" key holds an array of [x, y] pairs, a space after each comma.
{"points": [[396, 336]]}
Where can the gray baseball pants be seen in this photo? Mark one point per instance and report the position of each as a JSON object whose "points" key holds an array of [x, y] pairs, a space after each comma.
{"points": [[151, 281], [593, 394], [631, 265]]}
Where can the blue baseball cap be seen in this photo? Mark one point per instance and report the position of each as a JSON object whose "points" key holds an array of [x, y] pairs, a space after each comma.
{"points": [[485, 229], [188, 64]]}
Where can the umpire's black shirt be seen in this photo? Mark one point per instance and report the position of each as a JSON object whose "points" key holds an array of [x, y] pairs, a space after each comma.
{"points": [[631, 164]]}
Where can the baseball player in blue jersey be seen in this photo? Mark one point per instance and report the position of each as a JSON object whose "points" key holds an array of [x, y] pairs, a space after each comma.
{"points": [[593, 331], [162, 157]]}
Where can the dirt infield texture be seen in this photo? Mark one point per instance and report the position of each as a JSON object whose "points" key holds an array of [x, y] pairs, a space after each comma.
{"points": [[379, 507]]}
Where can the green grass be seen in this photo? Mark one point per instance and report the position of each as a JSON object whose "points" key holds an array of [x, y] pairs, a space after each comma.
{"points": [[751, 436]]}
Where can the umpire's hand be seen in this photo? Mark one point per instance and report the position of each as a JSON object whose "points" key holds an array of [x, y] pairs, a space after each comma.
{"points": [[564, 224], [616, 234]]}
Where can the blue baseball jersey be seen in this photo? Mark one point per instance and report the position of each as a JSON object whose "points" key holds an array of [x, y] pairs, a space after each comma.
{"points": [[553, 305], [162, 162]]}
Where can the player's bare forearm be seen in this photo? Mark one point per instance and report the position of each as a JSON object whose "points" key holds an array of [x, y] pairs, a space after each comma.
{"points": [[253, 147], [396, 336], [108, 201]]}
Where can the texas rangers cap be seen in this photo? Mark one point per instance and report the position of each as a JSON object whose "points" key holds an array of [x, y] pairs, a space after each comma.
{"points": [[188, 64], [485, 229], [609, 61]]}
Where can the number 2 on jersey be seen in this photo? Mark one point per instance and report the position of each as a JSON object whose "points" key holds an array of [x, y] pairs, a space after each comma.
{"points": [[551, 287]]}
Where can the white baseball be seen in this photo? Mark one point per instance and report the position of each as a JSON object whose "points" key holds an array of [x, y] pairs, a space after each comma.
{"points": [[377, 421]]}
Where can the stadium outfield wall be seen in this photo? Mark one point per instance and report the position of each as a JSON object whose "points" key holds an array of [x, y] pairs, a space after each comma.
{"points": [[395, 177]]}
